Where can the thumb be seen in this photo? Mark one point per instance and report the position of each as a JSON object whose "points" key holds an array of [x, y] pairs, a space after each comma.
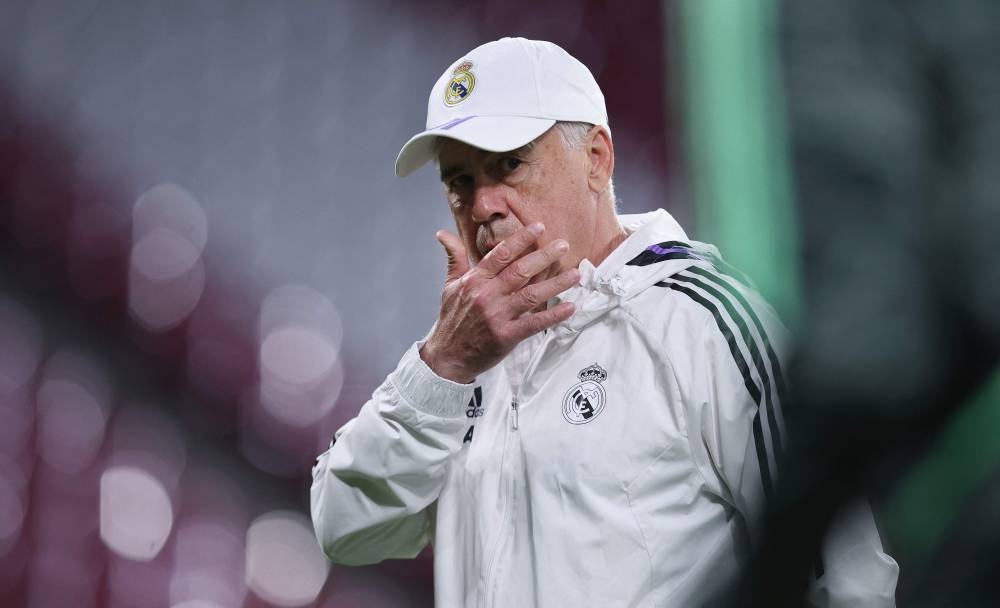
{"points": [[458, 258]]}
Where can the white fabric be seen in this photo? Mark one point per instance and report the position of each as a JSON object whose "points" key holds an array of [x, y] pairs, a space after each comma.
{"points": [[513, 91], [643, 505]]}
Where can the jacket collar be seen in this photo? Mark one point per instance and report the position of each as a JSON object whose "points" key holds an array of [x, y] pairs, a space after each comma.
{"points": [[635, 265]]}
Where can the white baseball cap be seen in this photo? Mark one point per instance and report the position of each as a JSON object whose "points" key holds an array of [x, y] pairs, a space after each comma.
{"points": [[502, 95]]}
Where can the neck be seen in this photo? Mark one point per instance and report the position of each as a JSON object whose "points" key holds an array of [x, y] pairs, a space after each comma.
{"points": [[608, 234]]}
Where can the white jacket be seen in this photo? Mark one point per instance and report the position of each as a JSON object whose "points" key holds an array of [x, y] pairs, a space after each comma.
{"points": [[614, 460]]}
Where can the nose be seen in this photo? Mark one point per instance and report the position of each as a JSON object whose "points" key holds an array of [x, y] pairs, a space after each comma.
{"points": [[489, 203]]}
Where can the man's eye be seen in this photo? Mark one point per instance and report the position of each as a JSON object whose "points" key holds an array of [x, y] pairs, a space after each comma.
{"points": [[460, 181], [510, 163]]}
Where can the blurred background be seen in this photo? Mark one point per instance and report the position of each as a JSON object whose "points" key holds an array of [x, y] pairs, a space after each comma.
{"points": [[207, 264]]}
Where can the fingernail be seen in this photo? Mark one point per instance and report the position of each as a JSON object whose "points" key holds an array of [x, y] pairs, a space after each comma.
{"points": [[537, 228], [561, 245]]}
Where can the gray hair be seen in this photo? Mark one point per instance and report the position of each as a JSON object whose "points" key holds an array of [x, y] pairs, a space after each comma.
{"points": [[574, 136]]}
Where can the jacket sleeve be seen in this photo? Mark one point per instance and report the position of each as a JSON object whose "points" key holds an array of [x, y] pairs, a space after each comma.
{"points": [[373, 490], [735, 431]]}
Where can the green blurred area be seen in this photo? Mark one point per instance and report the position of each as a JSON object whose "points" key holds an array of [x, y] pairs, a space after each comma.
{"points": [[930, 499], [736, 142], [741, 181]]}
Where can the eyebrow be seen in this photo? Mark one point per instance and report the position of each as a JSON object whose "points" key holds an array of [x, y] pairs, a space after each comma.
{"points": [[453, 170]]}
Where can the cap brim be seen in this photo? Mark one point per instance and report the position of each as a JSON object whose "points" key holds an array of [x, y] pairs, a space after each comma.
{"points": [[491, 133]]}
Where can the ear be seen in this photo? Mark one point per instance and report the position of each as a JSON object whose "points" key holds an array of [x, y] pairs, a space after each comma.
{"points": [[601, 157]]}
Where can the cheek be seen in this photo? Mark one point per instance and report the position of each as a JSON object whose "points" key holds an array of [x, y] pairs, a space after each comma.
{"points": [[467, 231]]}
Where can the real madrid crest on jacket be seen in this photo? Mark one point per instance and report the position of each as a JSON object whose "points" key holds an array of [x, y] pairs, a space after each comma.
{"points": [[616, 458], [585, 400]]}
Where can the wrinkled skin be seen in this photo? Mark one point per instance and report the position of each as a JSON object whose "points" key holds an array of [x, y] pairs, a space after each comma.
{"points": [[526, 219]]}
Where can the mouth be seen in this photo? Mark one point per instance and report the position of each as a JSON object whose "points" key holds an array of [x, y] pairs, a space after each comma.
{"points": [[488, 236], [485, 242]]}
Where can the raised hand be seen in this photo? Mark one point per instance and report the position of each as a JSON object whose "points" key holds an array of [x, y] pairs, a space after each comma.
{"points": [[487, 310]]}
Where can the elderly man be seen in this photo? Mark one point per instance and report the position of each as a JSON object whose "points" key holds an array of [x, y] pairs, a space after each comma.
{"points": [[594, 418]]}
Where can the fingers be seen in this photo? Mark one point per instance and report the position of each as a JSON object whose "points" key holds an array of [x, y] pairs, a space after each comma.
{"points": [[458, 257], [531, 324], [509, 250], [535, 295], [521, 271]]}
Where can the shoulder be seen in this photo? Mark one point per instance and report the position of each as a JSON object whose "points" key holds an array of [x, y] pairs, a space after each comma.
{"points": [[712, 297], [708, 320]]}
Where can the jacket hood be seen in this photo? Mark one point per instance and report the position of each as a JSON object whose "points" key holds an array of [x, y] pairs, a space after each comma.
{"points": [[656, 248]]}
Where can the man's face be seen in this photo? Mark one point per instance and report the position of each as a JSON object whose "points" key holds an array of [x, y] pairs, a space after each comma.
{"points": [[493, 194]]}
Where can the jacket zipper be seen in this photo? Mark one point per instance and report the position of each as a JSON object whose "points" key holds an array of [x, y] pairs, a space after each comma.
{"points": [[507, 487], [505, 510]]}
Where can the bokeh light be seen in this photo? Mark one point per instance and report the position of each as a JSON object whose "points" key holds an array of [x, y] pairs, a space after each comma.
{"points": [[136, 514], [300, 338], [284, 564], [166, 271], [297, 355], [208, 563], [166, 280], [72, 409], [171, 207]]}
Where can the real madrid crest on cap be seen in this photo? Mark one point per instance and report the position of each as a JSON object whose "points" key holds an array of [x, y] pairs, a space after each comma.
{"points": [[461, 84], [585, 400]]}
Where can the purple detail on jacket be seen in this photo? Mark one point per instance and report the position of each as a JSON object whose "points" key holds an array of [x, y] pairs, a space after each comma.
{"points": [[663, 251]]}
